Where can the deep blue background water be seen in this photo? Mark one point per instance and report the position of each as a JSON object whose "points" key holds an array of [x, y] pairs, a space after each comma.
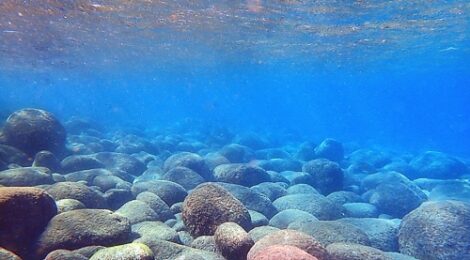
{"points": [[412, 94]]}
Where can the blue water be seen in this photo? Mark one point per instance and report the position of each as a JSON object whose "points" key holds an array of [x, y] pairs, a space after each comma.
{"points": [[385, 73]]}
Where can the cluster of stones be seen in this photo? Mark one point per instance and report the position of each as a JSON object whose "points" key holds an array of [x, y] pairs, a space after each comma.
{"points": [[75, 191]]}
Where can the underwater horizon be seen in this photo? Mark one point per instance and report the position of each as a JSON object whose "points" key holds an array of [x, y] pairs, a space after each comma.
{"points": [[234, 130]]}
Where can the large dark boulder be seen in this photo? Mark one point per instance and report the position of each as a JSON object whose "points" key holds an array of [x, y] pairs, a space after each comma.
{"points": [[33, 130]]}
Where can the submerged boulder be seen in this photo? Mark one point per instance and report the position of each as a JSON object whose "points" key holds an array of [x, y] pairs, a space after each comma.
{"points": [[189, 160], [26, 176], [82, 227], [330, 149], [33, 130], [74, 190], [315, 204], [328, 232], [437, 165], [210, 205], [437, 230], [241, 174], [24, 213], [327, 175], [232, 241]]}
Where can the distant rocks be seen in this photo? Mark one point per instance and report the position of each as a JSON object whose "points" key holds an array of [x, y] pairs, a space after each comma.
{"points": [[437, 165], [196, 192], [33, 130], [330, 149], [210, 205]]}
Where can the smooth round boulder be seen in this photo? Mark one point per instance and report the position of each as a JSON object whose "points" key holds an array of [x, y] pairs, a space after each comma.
{"points": [[437, 165], [130, 251], [157, 205], [26, 176], [270, 190], [241, 174], [48, 160], [168, 191], [259, 232], [327, 175], [290, 238], [284, 252], [232, 241], [189, 160], [437, 230], [397, 199], [75, 163], [80, 228], [382, 233], [315, 204], [184, 176], [74, 190], [33, 130], [68, 205], [284, 218], [24, 213], [151, 231], [137, 211], [328, 232], [208, 206], [204, 243], [360, 210]]}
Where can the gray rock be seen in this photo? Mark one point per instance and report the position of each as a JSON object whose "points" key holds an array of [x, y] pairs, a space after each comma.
{"points": [[241, 174], [317, 205], [232, 241], [82, 227], [168, 191], [282, 219], [137, 211], [26, 176], [437, 230]]}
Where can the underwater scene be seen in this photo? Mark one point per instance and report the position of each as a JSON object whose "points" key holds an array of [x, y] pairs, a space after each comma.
{"points": [[236, 130]]}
